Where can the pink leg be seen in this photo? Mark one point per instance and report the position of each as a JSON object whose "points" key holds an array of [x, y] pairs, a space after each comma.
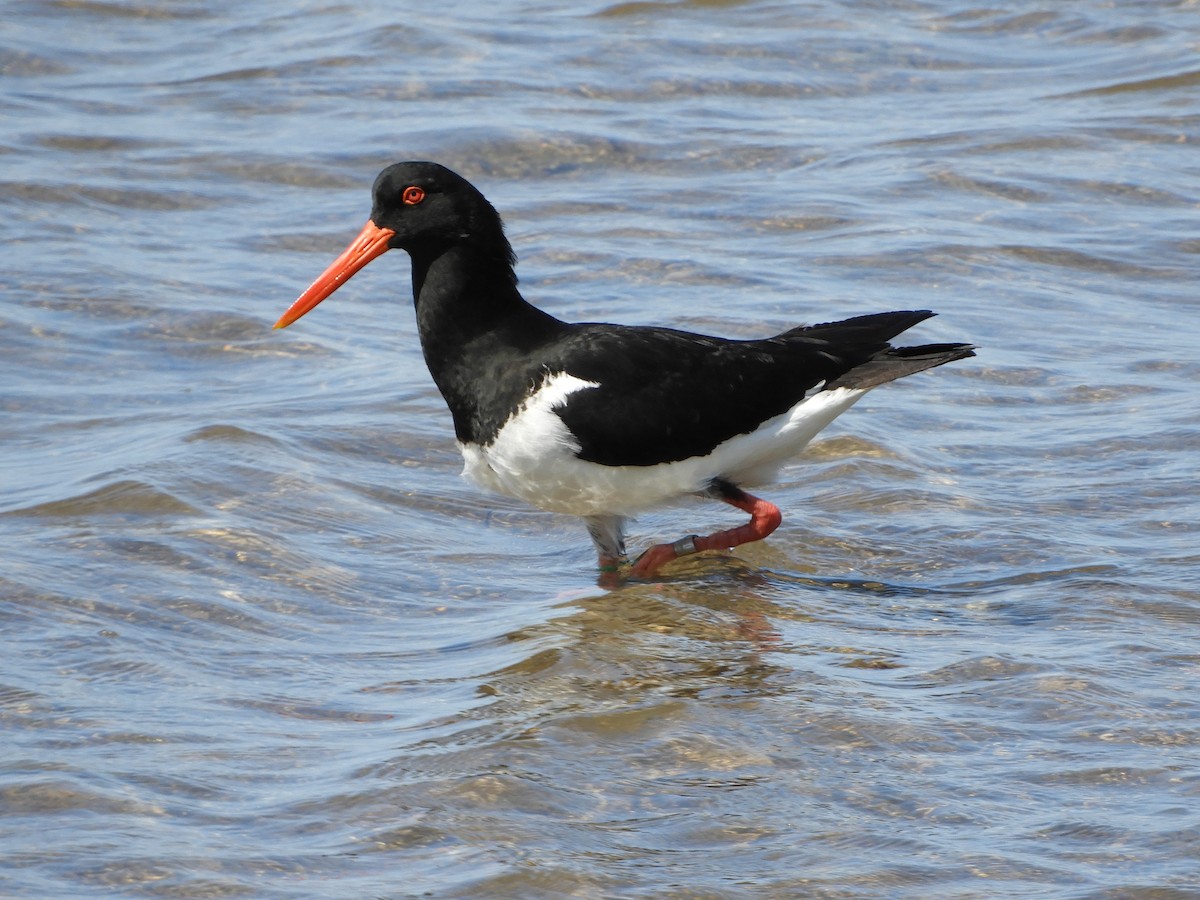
{"points": [[764, 518]]}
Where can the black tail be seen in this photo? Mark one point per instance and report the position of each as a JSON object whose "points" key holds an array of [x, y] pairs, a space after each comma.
{"points": [[865, 338], [897, 362], [861, 345]]}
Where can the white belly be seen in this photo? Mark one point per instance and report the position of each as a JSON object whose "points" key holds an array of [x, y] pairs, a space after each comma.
{"points": [[533, 458]]}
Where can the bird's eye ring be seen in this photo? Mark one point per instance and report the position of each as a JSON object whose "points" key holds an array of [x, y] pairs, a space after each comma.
{"points": [[413, 195]]}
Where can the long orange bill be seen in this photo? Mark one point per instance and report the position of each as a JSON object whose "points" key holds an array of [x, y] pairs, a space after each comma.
{"points": [[371, 242]]}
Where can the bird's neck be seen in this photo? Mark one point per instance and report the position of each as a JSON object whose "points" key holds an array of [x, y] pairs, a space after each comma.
{"points": [[478, 334]]}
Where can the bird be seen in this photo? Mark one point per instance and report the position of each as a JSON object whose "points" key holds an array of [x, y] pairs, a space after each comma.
{"points": [[604, 421]]}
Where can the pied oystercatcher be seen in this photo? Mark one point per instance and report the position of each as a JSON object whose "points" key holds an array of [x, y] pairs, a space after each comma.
{"points": [[598, 420]]}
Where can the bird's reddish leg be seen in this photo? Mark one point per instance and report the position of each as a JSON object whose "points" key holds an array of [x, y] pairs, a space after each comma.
{"points": [[764, 518]]}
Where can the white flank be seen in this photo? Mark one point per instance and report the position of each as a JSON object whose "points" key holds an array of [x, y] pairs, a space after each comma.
{"points": [[533, 457]]}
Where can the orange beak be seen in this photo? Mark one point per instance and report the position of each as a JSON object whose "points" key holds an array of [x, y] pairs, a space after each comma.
{"points": [[371, 242]]}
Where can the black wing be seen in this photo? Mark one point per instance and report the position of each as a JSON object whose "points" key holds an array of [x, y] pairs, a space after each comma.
{"points": [[666, 395]]}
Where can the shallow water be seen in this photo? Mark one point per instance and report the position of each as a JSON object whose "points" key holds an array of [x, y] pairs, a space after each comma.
{"points": [[261, 639]]}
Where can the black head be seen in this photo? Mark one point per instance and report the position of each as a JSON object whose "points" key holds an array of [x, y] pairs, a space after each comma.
{"points": [[425, 209], [430, 207]]}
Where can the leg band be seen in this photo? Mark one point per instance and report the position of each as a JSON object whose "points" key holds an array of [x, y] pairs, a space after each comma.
{"points": [[685, 546]]}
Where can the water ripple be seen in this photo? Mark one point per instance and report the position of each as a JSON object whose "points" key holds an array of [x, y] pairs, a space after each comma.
{"points": [[261, 639]]}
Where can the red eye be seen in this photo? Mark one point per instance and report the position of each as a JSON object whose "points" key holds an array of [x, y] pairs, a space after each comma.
{"points": [[413, 195]]}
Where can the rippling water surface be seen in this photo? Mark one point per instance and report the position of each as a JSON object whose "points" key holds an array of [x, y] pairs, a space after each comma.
{"points": [[262, 641]]}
